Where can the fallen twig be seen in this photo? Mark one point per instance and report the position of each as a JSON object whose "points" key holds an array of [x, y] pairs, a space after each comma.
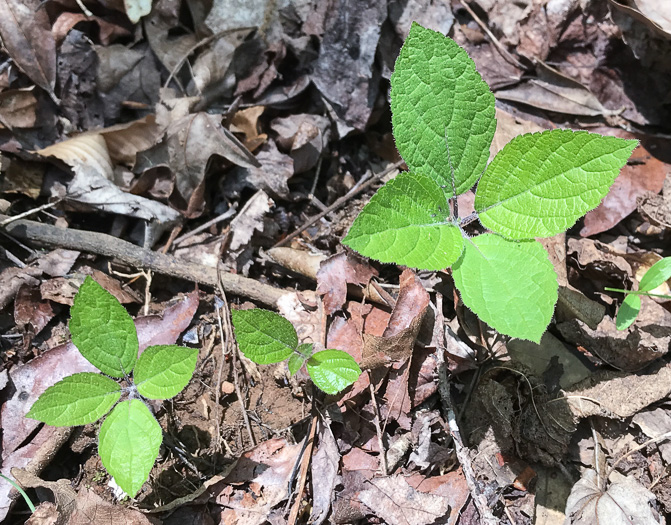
{"points": [[479, 499], [125, 252]]}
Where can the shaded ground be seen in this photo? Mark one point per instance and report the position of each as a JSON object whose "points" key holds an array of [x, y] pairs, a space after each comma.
{"points": [[219, 147]]}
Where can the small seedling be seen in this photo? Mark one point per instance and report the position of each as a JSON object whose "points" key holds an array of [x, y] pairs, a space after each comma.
{"points": [[658, 274], [538, 185], [130, 437], [266, 338]]}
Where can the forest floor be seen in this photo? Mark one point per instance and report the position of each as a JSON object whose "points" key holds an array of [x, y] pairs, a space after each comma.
{"points": [[212, 155]]}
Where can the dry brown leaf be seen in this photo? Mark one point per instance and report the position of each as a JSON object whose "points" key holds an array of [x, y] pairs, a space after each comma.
{"points": [[324, 468], [88, 150], [257, 483], [609, 394], [344, 72], [393, 500], [304, 136], [108, 32], [553, 91], [23, 177], [124, 141], [398, 339], [624, 502], [271, 175], [186, 150], [169, 49], [246, 121], [18, 108], [653, 13], [334, 275], [31, 312], [26, 34]]}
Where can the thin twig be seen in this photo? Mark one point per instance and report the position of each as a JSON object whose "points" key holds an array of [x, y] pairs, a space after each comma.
{"points": [[342, 200], [228, 213], [479, 499], [13, 218], [380, 441], [234, 351], [303, 474]]}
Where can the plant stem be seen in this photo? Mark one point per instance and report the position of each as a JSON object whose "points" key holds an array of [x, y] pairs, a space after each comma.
{"points": [[634, 292], [21, 491]]}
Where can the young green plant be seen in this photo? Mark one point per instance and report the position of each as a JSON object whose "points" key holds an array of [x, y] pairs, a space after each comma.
{"points": [[266, 338], [658, 274], [130, 437], [538, 185]]}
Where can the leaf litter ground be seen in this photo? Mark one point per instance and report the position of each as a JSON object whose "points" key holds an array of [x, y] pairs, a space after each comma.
{"points": [[204, 152]]}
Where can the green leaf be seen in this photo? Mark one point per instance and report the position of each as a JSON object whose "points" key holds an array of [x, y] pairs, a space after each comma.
{"points": [[628, 311], [438, 99], [263, 336], [658, 274], [511, 286], [332, 370], [163, 371], [102, 330], [128, 444], [298, 357], [78, 399], [540, 184], [407, 222]]}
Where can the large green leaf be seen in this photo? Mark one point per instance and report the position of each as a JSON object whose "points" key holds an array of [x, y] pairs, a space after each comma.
{"points": [[128, 444], [540, 184], [438, 99], [511, 286], [658, 273], [78, 399], [102, 330], [263, 336], [332, 370], [407, 222], [163, 371]]}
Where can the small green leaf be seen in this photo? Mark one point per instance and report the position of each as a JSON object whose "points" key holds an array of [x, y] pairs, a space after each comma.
{"points": [[628, 311], [298, 357], [163, 371], [407, 222], [438, 98], [511, 286], [332, 370], [102, 330], [540, 184], [263, 336], [658, 274], [78, 399], [128, 444]]}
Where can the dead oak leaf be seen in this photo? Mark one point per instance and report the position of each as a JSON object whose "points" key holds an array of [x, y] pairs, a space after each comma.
{"points": [[393, 500]]}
